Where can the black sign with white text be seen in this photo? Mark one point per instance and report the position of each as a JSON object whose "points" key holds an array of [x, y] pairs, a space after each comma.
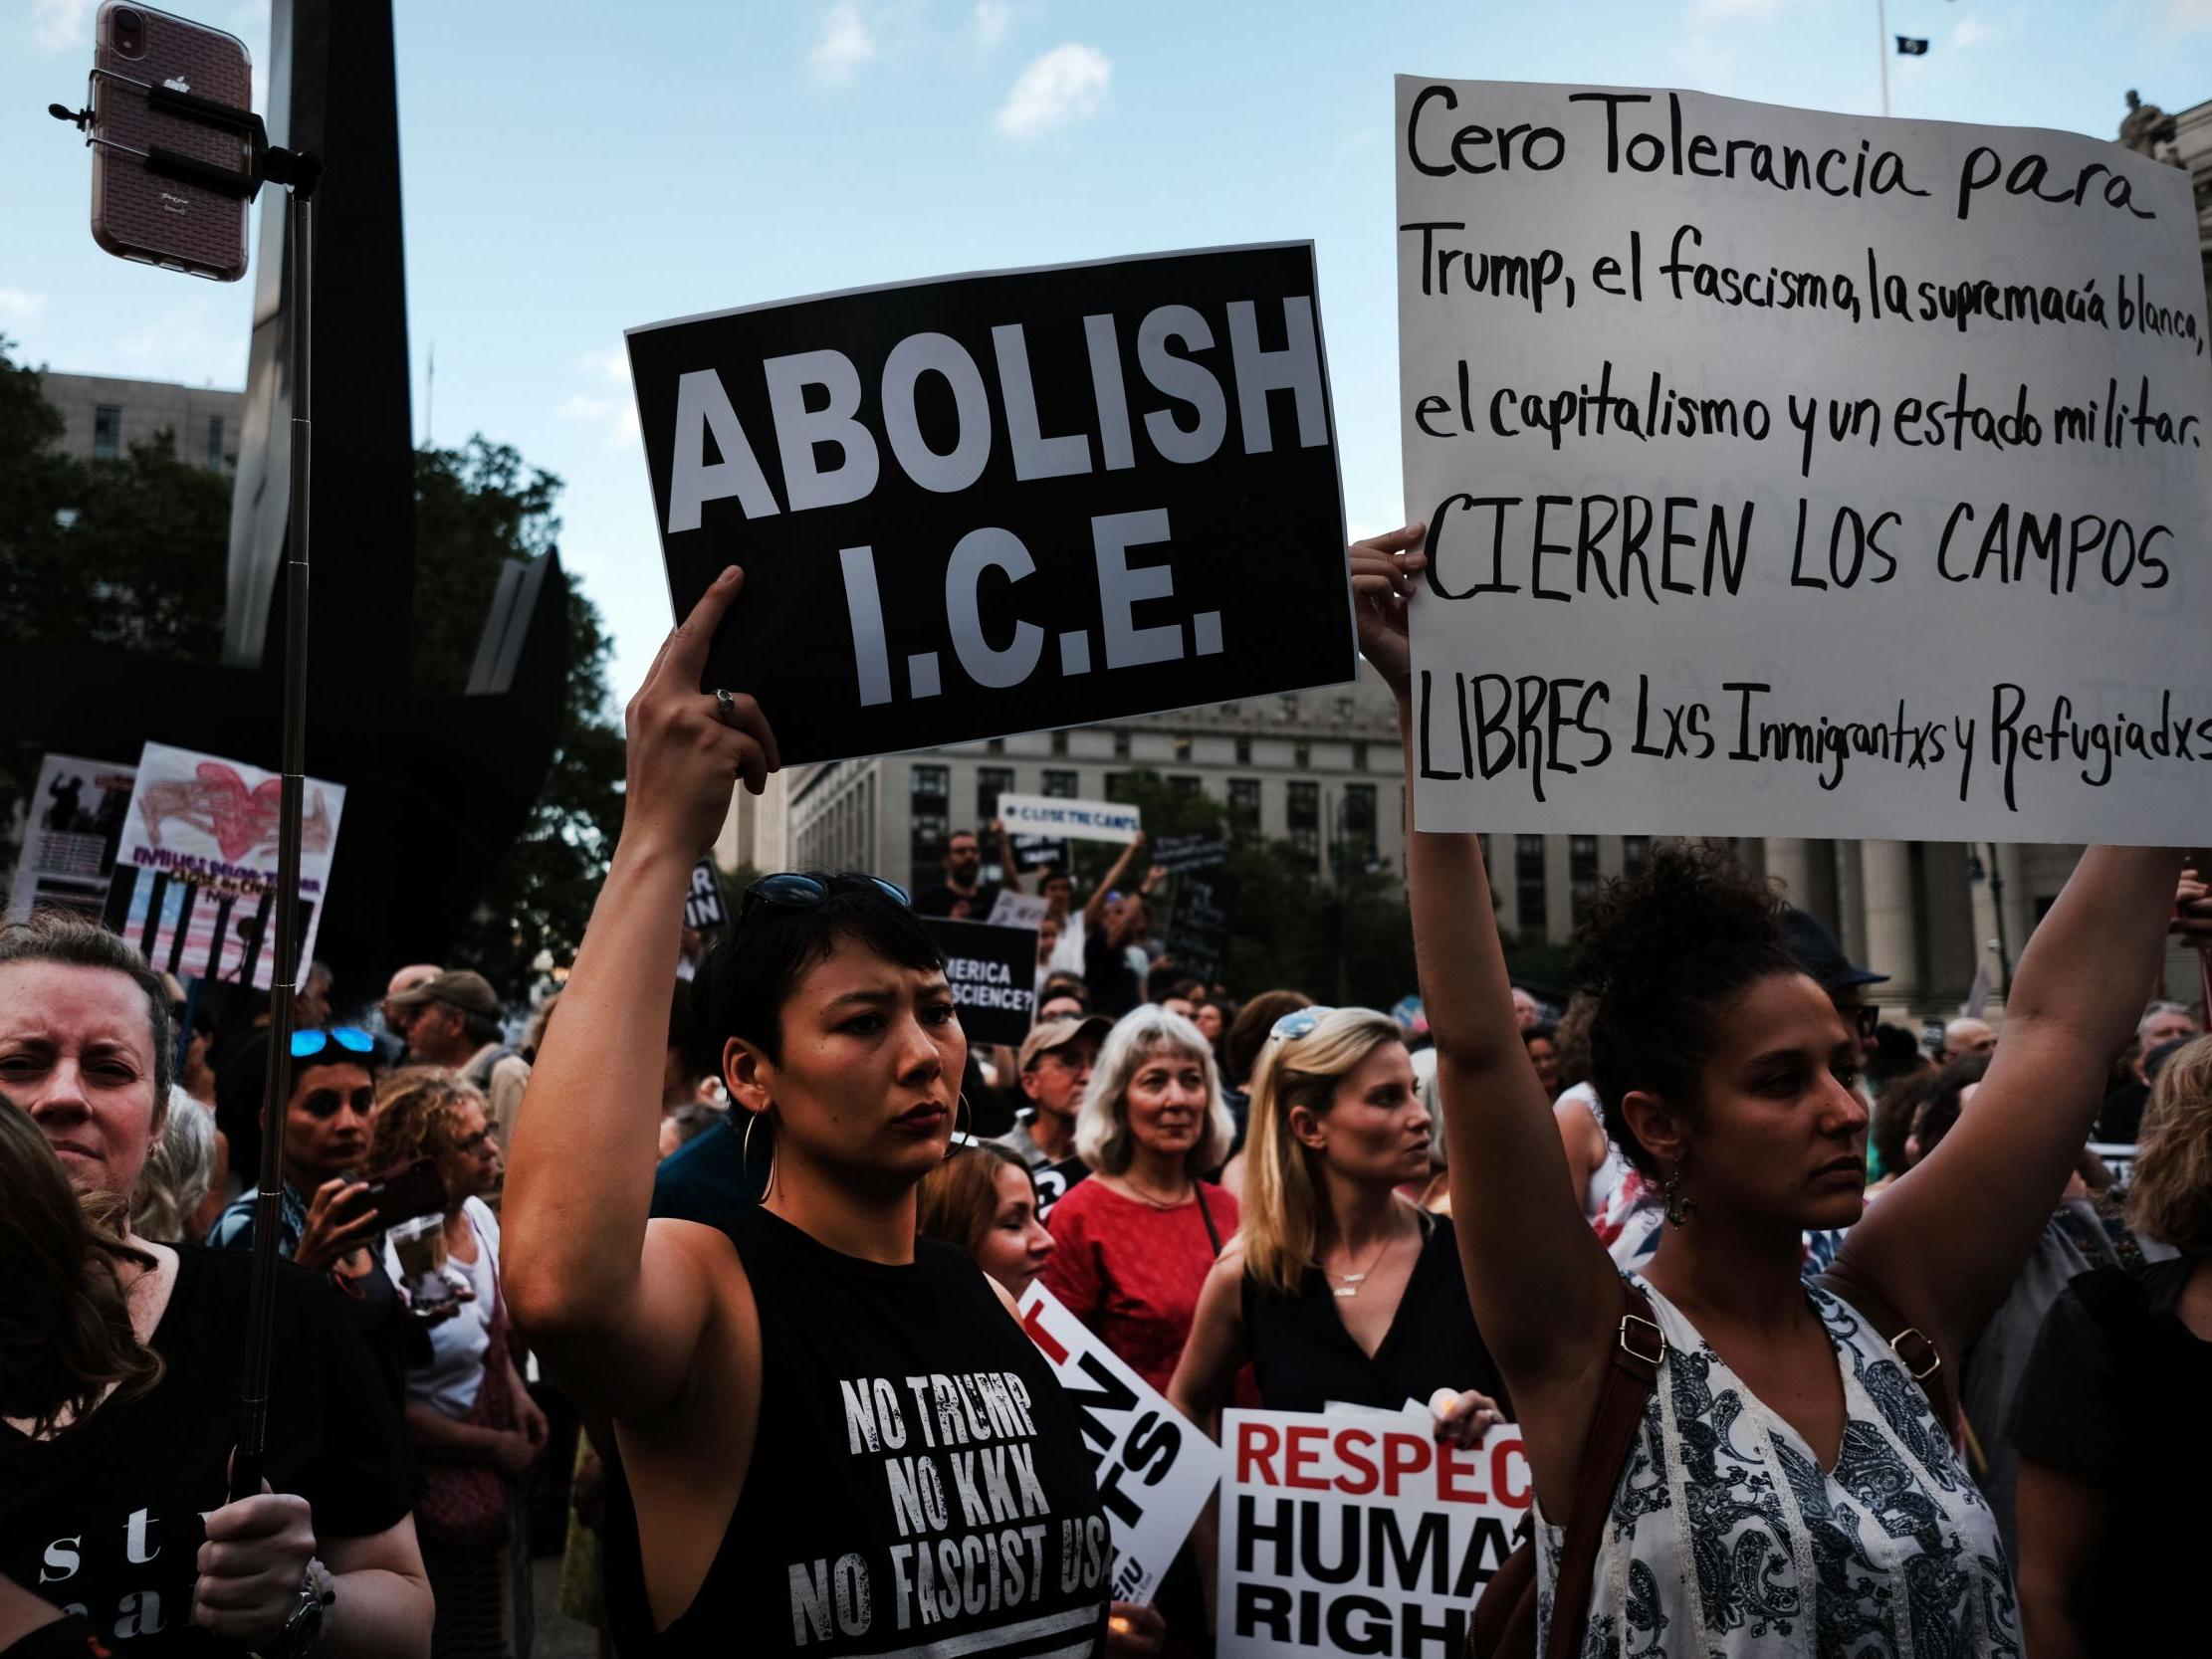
{"points": [[998, 503], [1200, 851], [993, 975], [702, 904], [1204, 907]]}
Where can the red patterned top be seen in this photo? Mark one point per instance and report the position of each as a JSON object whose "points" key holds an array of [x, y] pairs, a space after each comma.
{"points": [[1132, 1271]]}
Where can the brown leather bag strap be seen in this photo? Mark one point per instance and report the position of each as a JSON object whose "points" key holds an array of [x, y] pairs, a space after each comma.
{"points": [[1630, 1378], [1913, 1347]]}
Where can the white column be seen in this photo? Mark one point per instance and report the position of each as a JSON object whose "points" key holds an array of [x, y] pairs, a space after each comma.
{"points": [[1789, 859], [1892, 929]]}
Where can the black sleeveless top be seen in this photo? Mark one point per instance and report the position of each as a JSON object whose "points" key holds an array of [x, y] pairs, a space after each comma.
{"points": [[918, 1485], [1303, 1358]]}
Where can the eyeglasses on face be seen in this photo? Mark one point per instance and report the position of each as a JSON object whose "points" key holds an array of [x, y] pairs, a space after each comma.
{"points": [[351, 1039], [805, 889], [1866, 1018], [1300, 1022]]}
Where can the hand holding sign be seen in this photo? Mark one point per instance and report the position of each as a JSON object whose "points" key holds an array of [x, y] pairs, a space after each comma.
{"points": [[1384, 569], [687, 748]]}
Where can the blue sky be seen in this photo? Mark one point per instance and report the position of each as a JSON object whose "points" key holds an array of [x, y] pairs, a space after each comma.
{"points": [[655, 160]]}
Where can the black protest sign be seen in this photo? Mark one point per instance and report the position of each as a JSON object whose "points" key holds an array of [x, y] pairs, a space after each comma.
{"points": [[1053, 1180], [993, 975], [1197, 938], [997, 503], [1039, 851], [703, 903], [1200, 851]]}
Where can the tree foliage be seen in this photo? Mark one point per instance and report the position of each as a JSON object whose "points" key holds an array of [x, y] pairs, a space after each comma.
{"points": [[133, 554]]}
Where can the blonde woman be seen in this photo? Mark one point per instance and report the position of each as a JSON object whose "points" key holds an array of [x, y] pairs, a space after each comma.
{"points": [[2109, 1425], [1337, 1288], [1136, 1240]]}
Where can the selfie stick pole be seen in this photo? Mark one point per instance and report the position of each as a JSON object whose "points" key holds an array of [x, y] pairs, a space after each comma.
{"points": [[297, 172], [253, 1431]]}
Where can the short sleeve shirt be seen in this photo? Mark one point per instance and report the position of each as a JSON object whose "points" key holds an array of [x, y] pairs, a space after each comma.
{"points": [[105, 1518], [1132, 1272]]}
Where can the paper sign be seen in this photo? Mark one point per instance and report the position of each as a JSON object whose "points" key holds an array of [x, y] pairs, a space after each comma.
{"points": [[1791, 473], [1039, 851], [703, 903], [1360, 1533], [1053, 1180], [1016, 910], [1188, 851], [1050, 815], [1156, 1467], [1198, 937], [196, 868], [1002, 502], [75, 823], [993, 975]]}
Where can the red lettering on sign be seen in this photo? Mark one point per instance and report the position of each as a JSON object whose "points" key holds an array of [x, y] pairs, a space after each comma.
{"points": [[1255, 1449], [1350, 1448], [1303, 1455], [1509, 1472], [1034, 1322], [1455, 1472], [1403, 1454]]}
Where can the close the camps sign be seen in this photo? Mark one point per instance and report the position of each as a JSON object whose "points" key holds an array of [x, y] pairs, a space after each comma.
{"points": [[997, 503], [1359, 1532], [1793, 473]]}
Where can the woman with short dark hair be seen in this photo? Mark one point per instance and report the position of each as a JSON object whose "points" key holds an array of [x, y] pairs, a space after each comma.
{"points": [[117, 1504], [799, 1397]]}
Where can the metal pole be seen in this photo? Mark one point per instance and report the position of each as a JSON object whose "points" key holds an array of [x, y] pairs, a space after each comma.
{"points": [[253, 1432], [1997, 906], [1882, 22]]}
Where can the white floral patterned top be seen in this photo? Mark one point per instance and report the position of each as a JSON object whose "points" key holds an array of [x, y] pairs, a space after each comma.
{"points": [[1727, 1541]]}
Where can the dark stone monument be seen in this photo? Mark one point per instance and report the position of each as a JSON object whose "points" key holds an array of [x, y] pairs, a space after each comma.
{"points": [[437, 785]]}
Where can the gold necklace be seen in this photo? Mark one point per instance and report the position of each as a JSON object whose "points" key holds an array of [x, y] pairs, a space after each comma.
{"points": [[1142, 1196]]}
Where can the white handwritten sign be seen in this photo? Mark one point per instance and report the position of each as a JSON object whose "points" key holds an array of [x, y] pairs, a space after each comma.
{"points": [[1793, 473], [1083, 820], [1360, 1532], [1156, 1467]]}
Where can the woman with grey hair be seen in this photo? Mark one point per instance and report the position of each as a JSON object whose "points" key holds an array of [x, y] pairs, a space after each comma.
{"points": [[180, 1172], [1137, 1239]]}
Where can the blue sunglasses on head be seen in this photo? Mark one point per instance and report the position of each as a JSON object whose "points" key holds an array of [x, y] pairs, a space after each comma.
{"points": [[1300, 1022], [305, 1045], [804, 890]]}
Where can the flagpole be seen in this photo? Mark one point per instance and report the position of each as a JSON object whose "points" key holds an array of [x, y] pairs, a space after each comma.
{"points": [[1882, 22]]}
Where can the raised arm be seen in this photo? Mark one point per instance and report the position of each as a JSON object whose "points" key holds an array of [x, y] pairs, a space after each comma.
{"points": [[1945, 1243], [617, 1309], [1095, 905], [1543, 1289], [1010, 873]]}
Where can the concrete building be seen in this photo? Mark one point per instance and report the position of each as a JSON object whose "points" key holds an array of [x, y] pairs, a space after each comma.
{"points": [[1287, 768], [758, 830], [104, 416]]}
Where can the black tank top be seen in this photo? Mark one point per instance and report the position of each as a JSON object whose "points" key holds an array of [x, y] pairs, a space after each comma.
{"points": [[919, 1487], [1303, 1358]]}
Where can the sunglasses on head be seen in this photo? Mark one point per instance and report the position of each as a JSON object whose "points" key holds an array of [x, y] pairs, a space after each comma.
{"points": [[803, 890], [1300, 1022], [347, 1039]]}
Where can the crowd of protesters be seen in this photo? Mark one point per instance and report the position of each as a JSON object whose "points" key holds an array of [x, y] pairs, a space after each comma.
{"points": [[725, 1218]]}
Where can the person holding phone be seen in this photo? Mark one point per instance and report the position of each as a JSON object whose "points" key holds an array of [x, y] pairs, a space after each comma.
{"points": [[473, 1423], [795, 1398], [329, 1221], [115, 1503]]}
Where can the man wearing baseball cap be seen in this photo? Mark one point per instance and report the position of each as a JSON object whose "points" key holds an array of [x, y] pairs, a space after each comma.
{"points": [[1822, 958], [453, 1019], [1056, 1067]]}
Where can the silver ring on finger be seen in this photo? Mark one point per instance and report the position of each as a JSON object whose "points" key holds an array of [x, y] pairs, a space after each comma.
{"points": [[726, 708]]}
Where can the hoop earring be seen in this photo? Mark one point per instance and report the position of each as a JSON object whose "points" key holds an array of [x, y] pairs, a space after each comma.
{"points": [[745, 1153], [952, 1145], [1678, 1207]]}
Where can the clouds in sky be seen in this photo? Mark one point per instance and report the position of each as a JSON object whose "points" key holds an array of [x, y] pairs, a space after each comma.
{"points": [[58, 25], [1971, 31], [607, 404], [18, 306], [1064, 87], [990, 21], [844, 44], [2182, 17]]}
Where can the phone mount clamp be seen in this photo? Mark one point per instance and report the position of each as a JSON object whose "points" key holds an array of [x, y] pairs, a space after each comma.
{"points": [[296, 172]]}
